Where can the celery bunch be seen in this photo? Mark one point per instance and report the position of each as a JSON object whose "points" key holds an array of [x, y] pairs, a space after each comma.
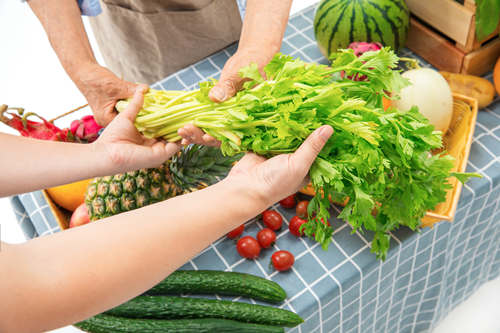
{"points": [[379, 159]]}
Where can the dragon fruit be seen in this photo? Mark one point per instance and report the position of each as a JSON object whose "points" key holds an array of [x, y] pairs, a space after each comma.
{"points": [[360, 48], [44, 130], [85, 129]]}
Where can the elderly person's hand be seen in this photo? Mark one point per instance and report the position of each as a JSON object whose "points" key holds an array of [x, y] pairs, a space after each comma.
{"points": [[125, 148], [103, 89]]}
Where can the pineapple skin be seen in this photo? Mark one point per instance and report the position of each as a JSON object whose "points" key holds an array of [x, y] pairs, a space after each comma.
{"points": [[194, 167]]}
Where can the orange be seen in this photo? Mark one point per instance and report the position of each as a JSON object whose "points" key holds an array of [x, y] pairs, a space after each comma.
{"points": [[496, 76], [69, 196], [386, 103]]}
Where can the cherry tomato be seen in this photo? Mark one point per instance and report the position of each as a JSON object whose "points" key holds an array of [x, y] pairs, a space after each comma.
{"points": [[295, 224], [282, 260], [272, 219], [288, 202], [248, 247], [266, 237], [301, 209], [235, 233]]}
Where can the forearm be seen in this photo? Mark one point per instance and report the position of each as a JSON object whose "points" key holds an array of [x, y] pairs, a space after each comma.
{"points": [[264, 25], [66, 277], [64, 27], [29, 164]]}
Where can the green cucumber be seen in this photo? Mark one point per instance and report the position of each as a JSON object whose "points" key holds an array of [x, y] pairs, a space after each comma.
{"points": [[220, 283], [171, 307], [109, 324]]}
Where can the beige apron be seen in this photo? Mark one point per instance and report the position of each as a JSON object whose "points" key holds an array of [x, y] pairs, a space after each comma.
{"points": [[144, 41]]}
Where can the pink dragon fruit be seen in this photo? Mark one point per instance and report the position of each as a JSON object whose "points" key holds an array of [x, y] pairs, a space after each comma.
{"points": [[85, 129], [360, 48]]}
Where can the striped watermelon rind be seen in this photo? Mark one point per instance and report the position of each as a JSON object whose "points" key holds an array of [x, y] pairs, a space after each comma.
{"points": [[339, 22]]}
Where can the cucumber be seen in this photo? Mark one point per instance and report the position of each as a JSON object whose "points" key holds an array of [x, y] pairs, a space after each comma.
{"points": [[220, 283], [109, 324], [171, 307]]}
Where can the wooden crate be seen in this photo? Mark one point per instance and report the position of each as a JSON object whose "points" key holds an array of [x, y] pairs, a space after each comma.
{"points": [[443, 32], [457, 142]]}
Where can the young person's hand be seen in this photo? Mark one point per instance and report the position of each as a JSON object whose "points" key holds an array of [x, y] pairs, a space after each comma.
{"points": [[125, 148], [274, 179]]}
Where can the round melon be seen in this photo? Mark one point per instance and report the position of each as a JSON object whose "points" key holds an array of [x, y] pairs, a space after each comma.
{"points": [[340, 22]]}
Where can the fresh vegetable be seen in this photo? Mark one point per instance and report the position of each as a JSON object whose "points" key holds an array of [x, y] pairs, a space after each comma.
{"points": [[220, 283], [192, 168], [110, 324], [86, 129], [376, 158], [295, 225], [471, 85], [43, 130], [235, 233], [266, 237], [496, 76], [69, 196], [171, 307], [79, 217], [272, 219], [430, 92], [248, 247], [301, 209], [340, 22], [282, 260], [487, 17], [288, 202]]}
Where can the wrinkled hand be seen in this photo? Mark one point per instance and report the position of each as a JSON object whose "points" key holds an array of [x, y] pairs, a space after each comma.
{"points": [[125, 148], [230, 82], [103, 89], [282, 175]]}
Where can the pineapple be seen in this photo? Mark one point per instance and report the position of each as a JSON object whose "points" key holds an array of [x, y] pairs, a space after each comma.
{"points": [[194, 167]]}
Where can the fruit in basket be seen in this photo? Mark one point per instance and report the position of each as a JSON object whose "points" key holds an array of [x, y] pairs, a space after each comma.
{"points": [[79, 217], [496, 76], [340, 22], [430, 92], [69, 196], [192, 168], [472, 86]]}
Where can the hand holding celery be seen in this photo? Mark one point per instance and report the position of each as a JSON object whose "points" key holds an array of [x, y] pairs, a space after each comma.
{"points": [[380, 160]]}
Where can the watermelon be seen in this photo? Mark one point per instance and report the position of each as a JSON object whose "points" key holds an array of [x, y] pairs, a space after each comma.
{"points": [[340, 22]]}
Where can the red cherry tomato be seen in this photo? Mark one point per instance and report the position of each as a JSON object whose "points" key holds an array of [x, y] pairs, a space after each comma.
{"points": [[235, 233], [288, 202], [295, 224], [248, 247], [301, 209], [282, 260], [272, 219], [266, 237]]}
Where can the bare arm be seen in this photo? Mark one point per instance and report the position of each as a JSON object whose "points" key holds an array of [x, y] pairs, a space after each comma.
{"points": [[63, 278], [64, 27]]}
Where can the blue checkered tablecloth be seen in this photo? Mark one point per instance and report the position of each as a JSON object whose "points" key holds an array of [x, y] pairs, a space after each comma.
{"points": [[345, 289]]}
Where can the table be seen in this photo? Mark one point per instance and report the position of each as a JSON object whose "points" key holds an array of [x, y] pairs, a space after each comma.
{"points": [[345, 289]]}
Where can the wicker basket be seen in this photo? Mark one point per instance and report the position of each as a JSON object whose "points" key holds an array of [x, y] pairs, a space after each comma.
{"points": [[457, 142]]}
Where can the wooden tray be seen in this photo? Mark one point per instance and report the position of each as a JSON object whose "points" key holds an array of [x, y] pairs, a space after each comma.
{"points": [[457, 142]]}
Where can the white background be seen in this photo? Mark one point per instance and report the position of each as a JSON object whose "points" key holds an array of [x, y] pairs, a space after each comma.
{"points": [[31, 77]]}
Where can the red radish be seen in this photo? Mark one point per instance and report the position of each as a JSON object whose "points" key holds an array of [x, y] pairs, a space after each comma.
{"points": [[288, 202], [86, 129], [248, 247], [282, 260], [235, 233], [360, 48], [272, 219], [295, 224], [266, 237], [80, 216]]}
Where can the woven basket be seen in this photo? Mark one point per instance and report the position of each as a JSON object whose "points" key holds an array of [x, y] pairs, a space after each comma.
{"points": [[457, 142]]}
